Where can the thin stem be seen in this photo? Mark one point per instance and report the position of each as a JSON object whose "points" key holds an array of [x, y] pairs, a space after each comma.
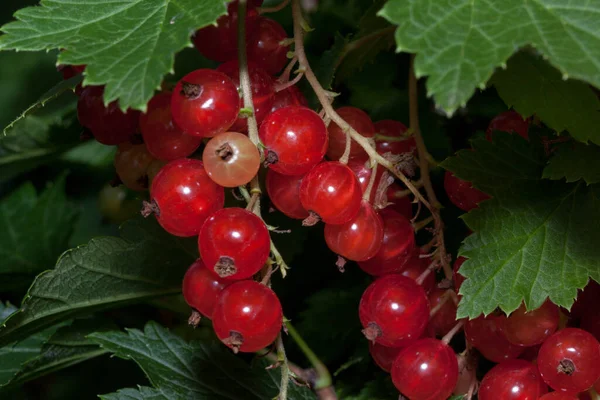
{"points": [[278, 7], [413, 105], [367, 193], [245, 84], [244, 192], [279, 260], [285, 75], [323, 375], [448, 337], [439, 305], [283, 86], [330, 112], [285, 369]]}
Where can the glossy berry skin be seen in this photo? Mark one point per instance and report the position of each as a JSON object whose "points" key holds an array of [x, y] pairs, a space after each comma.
{"points": [[525, 328], [508, 121], [568, 360], [291, 96], [109, 125], [396, 247], [457, 278], [295, 139], [263, 91], [131, 163], [234, 243], [391, 138], [331, 191], [165, 140], [461, 193], [358, 239], [360, 121], [248, 316], [445, 317], [231, 159], [219, 42], [363, 172], [512, 380], [264, 45], [201, 288], [205, 103], [415, 266], [394, 310], [284, 193], [426, 370], [485, 334], [402, 205], [185, 196], [383, 356], [558, 396]]}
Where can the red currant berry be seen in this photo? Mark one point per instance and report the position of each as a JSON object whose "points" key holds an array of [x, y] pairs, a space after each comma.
{"points": [[383, 356], [393, 310], [284, 192], [508, 121], [399, 201], [295, 139], [183, 197], [330, 192], [456, 276], [219, 42], [426, 370], [263, 91], [363, 171], [360, 121], [69, 71], [163, 138], [485, 335], [291, 96], [415, 267], [201, 288], [234, 243], [231, 159], [247, 317], [461, 193], [444, 318], [558, 396], [265, 46], [528, 328], [205, 103], [358, 239], [131, 163], [396, 248], [391, 138], [512, 380], [109, 124], [568, 360]]}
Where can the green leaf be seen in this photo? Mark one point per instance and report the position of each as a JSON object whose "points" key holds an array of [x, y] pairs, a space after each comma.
{"points": [[202, 370], [380, 388], [460, 43], [144, 393], [328, 62], [575, 161], [127, 46], [531, 86], [67, 347], [533, 240], [6, 310], [108, 272], [37, 229]]}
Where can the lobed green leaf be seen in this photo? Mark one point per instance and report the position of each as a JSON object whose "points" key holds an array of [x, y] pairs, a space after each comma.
{"points": [[575, 161]]}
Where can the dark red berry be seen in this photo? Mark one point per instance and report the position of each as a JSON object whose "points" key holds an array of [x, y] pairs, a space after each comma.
{"points": [[394, 310], [162, 137], [284, 192], [265, 46], [399, 201], [291, 96], [391, 138], [295, 139], [415, 267], [357, 119], [568, 360], [330, 192], [358, 239], [201, 288], [461, 193], [445, 317], [109, 124], [234, 243], [426, 370], [512, 380], [363, 171], [559, 396], [528, 328], [263, 91], [383, 356], [397, 245], [247, 317], [508, 121], [69, 71], [183, 197], [131, 163], [205, 103], [485, 334]]}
